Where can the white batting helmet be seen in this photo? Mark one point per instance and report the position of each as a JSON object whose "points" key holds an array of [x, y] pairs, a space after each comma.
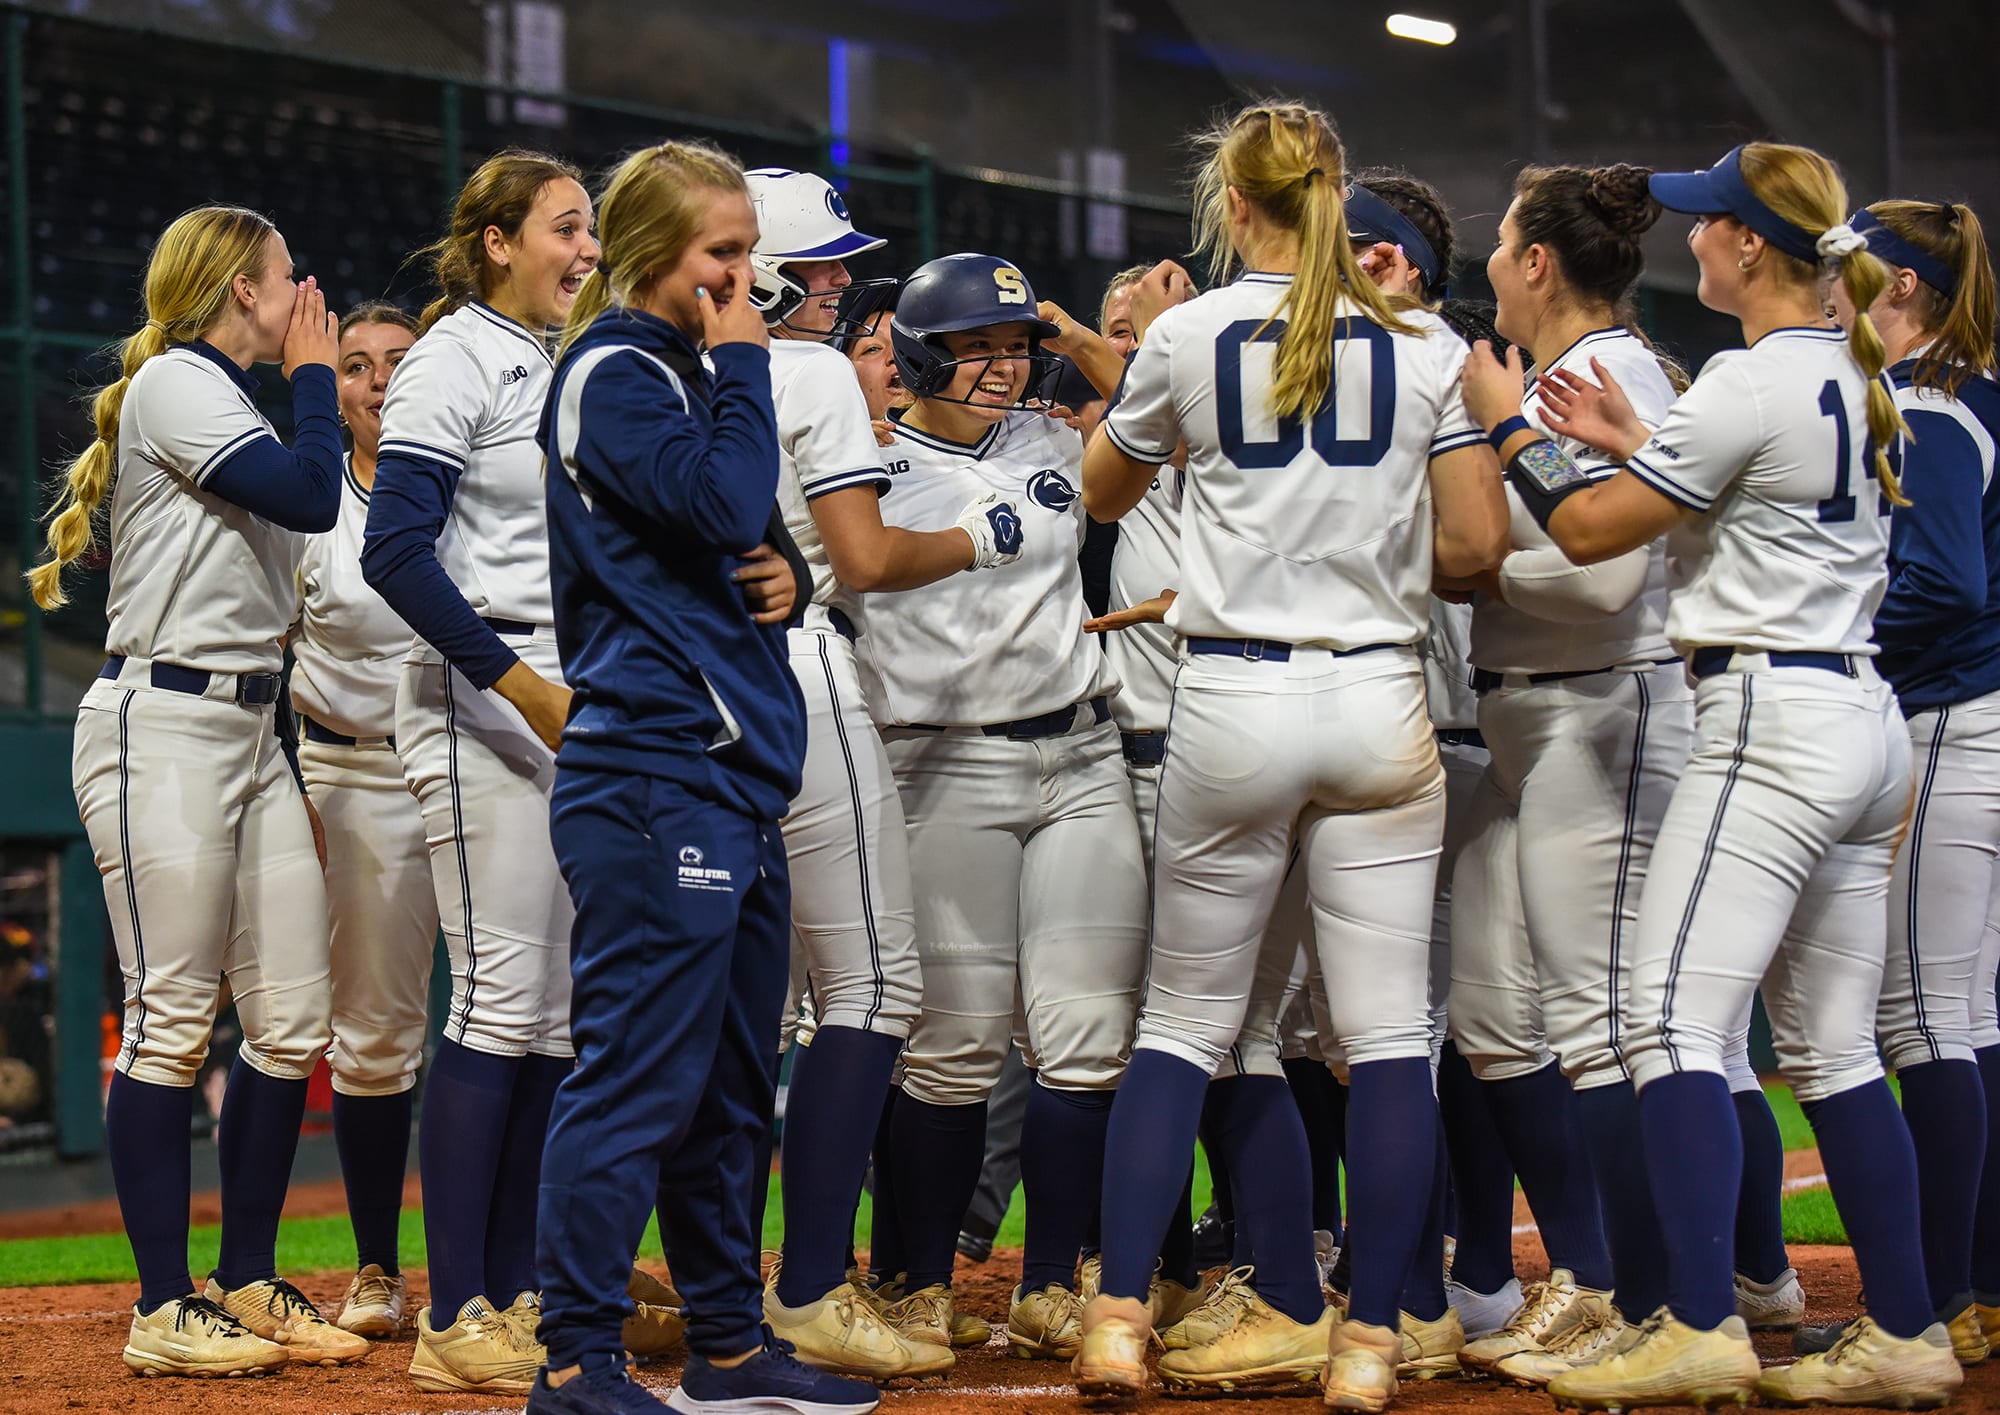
{"points": [[799, 217]]}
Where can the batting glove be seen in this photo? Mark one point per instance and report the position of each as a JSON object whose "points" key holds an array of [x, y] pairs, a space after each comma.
{"points": [[995, 528]]}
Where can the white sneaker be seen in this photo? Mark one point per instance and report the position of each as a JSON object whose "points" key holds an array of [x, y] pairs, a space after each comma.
{"points": [[1669, 1364], [1326, 1257], [1548, 1312], [1597, 1336], [1867, 1366], [483, 1352], [193, 1336], [278, 1311], [1777, 1305], [373, 1306], [1485, 1312]]}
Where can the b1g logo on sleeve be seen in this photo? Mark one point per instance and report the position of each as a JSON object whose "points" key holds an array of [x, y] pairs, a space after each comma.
{"points": [[1051, 488], [1011, 288]]}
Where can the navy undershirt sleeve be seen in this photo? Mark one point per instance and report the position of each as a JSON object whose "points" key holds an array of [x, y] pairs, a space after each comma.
{"points": [[406, 512], [296, 487]]}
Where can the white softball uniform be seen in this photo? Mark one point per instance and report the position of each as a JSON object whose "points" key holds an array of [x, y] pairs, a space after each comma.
{"points": [[1299, 710], [347, 655], [1589, 717], [1024, 853], [853, 922], [1774, 856], [470, 394], [1145, 561], [197, 827], [1938, 989]]}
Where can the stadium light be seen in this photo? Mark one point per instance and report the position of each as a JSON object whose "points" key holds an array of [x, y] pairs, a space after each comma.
{"points": [[1422, 30]]}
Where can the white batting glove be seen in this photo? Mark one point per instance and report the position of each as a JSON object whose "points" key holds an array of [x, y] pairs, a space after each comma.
{"points": [[995, 528]]}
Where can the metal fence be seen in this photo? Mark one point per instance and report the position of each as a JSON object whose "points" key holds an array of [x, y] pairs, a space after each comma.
{"points": [[112, 128]]}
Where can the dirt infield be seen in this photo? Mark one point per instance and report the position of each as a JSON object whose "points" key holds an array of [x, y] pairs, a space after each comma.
{"points": [[59, 1353]]}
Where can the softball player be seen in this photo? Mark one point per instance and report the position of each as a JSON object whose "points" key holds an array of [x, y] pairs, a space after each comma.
{"points": [[456, 544], [1298, 711], [348, 650], [1589, 718], [1024, 855], [678, 762], [1773, 858], [205, 842], [1939, 631], [845, 840]]}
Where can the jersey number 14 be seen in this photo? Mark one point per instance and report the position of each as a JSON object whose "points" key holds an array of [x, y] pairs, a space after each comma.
{"points": [[1840, 506], [1366, 450]]}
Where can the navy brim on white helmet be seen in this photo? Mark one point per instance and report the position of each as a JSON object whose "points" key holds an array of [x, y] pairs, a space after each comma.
{"points": [[800, 216]]}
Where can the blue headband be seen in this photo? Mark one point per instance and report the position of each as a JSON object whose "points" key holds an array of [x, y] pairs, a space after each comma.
{"points": [[1369, 218], [1896, 251], [1721, 189]]}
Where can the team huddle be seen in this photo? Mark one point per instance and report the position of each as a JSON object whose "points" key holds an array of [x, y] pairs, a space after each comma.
{"points": [[1485, 715]]}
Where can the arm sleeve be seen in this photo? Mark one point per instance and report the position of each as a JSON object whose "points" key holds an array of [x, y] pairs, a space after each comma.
{"points": [[297, 488], [828, 431], [1145, 425], [427, 429], [1937, 556], [1544, 583], [635, 437], [1705, 441], [1455, 426]]}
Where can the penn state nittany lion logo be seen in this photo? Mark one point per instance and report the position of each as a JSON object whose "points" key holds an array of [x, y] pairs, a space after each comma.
{"points": [[836, 205], [1052, 489], [691, 855]]}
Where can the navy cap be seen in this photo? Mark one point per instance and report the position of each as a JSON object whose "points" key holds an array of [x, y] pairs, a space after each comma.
{"points": [[1894, 249], [1721, 190], [1371, 219]]}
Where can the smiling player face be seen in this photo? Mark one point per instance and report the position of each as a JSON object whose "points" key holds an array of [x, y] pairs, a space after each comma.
{"points": [[874, 361], [992, 374], [546, 262], [716, 259], [368, 354], [821, 278]]}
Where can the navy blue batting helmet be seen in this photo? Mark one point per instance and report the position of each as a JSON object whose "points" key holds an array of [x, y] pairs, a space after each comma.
{"points": [[955, 293]]}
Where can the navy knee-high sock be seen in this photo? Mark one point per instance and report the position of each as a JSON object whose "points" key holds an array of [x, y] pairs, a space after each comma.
{"points": [[510, 1225], [1062, 1180], [1257, 1125], [256, 1140], [1986, 1225], [459, 1138], [372, 1134], [1150, 1141], [1611, 1128], [1177, 1247], [1695, 1156], [1323, 1110], [1536, 1116], [1871, 1168], [1482, 1180], [1219, 1191], [1423, 1287], [1392, 1138], [146, 1138], [1760, 1203], [1944, 1104], [844, 1073], [885, 1235], [937, 1151]]}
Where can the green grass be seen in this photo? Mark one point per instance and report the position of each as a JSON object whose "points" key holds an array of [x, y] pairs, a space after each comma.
{"points": [[327, 1244]]}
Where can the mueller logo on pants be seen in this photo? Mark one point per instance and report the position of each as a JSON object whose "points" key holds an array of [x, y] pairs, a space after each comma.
{"points": [[694, 876]]}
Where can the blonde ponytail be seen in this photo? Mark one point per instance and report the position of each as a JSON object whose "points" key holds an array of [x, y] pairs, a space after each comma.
{"points": [[1285, 160], [1805, 189], [190, 280], [648, 212]]}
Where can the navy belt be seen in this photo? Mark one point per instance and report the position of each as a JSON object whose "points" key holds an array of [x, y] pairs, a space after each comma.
{"points": [[1485, 682], [1144, 748], [1706, 663], [842, 625], [1461, 737], [252, 689], [1267, 650], [328, 737], [1049, 724], [508, 626]]}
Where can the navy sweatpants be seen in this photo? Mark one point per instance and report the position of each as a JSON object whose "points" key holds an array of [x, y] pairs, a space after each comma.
{"points": [[679, 957]]}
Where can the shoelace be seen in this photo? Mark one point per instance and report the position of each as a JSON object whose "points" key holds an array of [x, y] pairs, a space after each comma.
{"points": [[1231, 1299], [1541, 1305], [212, 1315], [287, 1302], [374, 1288], [1838, 1351], [1595, 1330]]}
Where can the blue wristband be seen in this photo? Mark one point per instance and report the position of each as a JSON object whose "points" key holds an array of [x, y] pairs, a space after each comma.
{"points": [[1508, 427]]}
